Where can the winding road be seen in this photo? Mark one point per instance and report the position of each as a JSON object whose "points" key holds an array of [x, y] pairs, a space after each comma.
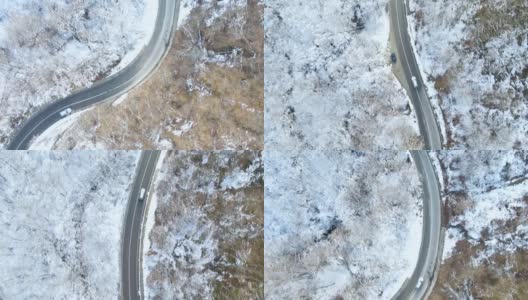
{"points": [[431, 243], [131, 282], [430, 247], [109, 88], [424, 111]]}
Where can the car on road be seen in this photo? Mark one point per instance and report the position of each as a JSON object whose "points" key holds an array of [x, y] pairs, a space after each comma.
{"points": [[393, 58], [142, 194], [414, 81], [66, 112], [419, 283]]}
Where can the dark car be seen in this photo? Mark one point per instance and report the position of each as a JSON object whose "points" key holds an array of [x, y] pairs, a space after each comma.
{"points": [[393, 58]]}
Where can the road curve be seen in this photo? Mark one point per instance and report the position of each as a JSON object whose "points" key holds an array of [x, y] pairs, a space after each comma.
{"points": [[428, 256], [131, 283], [424, 111], [109, 88]]}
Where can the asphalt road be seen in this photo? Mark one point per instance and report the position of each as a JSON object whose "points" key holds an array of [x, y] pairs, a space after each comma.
{"points": [[424, 111], [111, 87], [130, 262], [431, 231]]}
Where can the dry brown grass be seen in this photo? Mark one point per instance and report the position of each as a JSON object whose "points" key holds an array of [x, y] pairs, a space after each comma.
{"points": [[494, 280], [491, 21], [246, 281]]}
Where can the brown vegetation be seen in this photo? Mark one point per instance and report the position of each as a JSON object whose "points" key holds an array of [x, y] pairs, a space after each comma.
{"points": [[491, 21], [477, 267], [207, 94], [442, 84], [504, 276], [194, 189]]}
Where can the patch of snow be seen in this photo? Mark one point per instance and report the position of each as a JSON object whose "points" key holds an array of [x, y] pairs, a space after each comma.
{"points": [[120, 100], [452, 236], [165, 144], [221, 7], [438, 169], [186, 6], [240, 178], [183, 129]]}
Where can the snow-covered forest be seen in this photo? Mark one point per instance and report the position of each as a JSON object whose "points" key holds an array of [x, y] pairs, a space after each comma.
{"points": [[328, 79], [48, 48], [340, 224], [61, 215], [473, 55], [205, 228], [485, 249]]}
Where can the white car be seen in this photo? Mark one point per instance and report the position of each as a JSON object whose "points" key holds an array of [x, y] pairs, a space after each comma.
{"points": [[66, 112], [419, 283], [142, 194], [414, 81]]}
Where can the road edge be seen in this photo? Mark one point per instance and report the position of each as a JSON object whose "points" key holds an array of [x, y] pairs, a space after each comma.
{"points": [[425, 108], [439, 249], [443, 225], [125, 217], [160, 158], [435, 105]]}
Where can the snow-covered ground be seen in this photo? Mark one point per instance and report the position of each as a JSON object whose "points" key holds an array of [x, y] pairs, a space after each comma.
{"points": [[486, 209], [473, 56], [485, 189], [340, 224], [61, 216], [328, 80], [50, 48], [205, 233]]}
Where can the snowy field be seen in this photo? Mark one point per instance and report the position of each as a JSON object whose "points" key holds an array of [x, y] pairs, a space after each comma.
{"points": [[50, 48], [61, 216], [205, 238], [473, 55], [328, 80], [340, 225]]}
